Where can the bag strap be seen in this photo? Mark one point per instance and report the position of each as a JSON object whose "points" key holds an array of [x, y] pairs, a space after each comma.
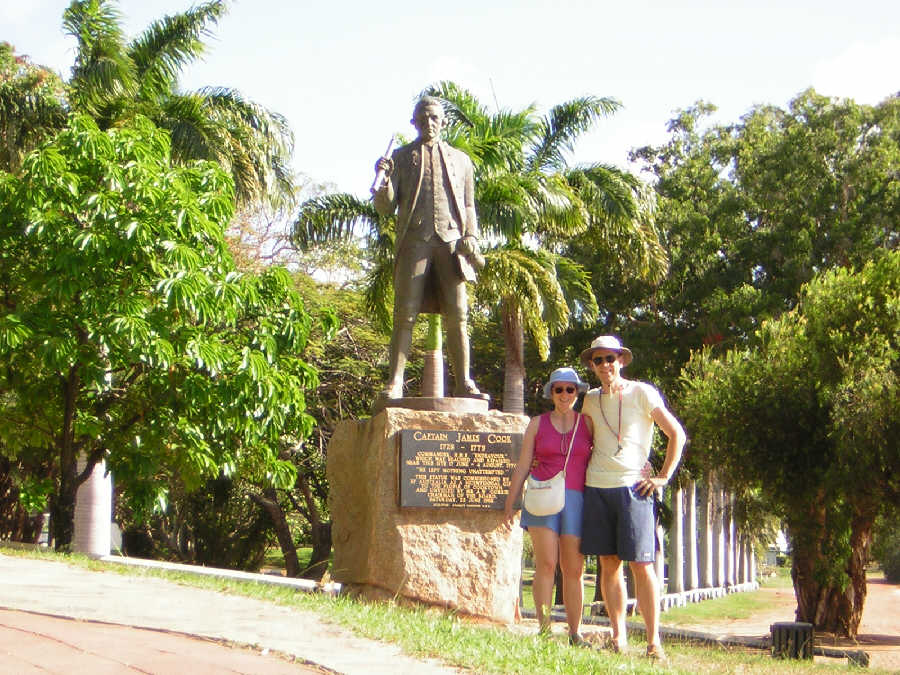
{"points": [[572, 440]]}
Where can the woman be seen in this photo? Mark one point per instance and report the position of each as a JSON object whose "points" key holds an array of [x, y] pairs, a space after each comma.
{"points": [[557, 537]]}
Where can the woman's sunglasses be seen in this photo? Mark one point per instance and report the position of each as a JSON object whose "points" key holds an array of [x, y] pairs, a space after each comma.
{"points": [[559, 390]]}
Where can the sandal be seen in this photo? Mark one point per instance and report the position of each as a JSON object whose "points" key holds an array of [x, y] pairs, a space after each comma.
{"points": [[604, 641], [575, 640], [656, 653]]}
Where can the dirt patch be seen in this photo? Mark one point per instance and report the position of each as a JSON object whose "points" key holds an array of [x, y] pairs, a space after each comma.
{"points": [[879, 630]]}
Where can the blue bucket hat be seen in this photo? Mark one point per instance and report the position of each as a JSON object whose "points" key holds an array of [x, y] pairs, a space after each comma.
{"points": [[565, 375]]}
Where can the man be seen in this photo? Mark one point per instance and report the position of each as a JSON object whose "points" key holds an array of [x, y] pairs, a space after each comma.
{"points": [[431, 185], [618, 513]]}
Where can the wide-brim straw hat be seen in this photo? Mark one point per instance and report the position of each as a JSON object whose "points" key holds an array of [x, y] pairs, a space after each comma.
{"points": [[565, 375], [609, 342]]}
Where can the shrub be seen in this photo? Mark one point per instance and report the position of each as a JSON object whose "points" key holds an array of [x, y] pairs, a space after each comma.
{"points": [[886, 547]]}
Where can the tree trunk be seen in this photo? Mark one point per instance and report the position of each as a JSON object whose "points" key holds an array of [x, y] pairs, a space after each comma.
{"points": [[15, 523], [321, 533], [318, 561], [269, 501], [514, 366], [62, 504], [828, 607], [676, 543], [692, 573]]}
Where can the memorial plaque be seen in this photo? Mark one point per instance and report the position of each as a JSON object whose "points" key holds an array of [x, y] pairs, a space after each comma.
{"points": [[459, 469]]}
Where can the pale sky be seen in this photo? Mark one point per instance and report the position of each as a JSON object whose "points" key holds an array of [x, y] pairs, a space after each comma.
{"points": [[345, 73]]}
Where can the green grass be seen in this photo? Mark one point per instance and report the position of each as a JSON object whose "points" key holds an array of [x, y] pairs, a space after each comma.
{"points": [[274, 558], [730, 607], [734, 606], [460, 642]]}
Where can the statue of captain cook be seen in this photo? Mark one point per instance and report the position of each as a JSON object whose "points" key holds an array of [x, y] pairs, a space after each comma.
{"points": [[431, 186]]}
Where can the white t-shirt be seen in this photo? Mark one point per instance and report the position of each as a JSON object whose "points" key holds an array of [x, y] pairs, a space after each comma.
{"points": [[611, 466]]}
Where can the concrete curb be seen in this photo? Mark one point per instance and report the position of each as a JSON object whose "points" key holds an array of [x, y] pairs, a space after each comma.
{"points": [[331, 588]]}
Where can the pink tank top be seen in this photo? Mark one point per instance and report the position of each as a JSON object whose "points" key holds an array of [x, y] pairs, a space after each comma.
{"points": [[550, 449]]}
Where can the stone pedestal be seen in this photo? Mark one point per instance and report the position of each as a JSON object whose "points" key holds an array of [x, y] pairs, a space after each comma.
{"points": [[465, 559]]}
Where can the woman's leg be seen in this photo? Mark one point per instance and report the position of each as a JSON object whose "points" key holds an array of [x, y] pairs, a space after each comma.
{"points": [[572, 564], [612, 585], [545, 543]]}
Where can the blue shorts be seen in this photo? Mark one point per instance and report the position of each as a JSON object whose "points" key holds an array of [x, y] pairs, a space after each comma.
{"points": [[618, 521], [567, 521]]}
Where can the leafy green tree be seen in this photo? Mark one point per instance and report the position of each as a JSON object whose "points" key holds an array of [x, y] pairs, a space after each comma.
{"points": [[752, 211], [886, 545], [31, 106], [809, 418], [127, 334], [114, 79], [749, 211]]}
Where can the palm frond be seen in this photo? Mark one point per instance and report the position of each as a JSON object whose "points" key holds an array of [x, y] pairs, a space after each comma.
{"points": [[461, 107], [514, 204], [559, 212], [525, 279], [379, 292], [103, 70], [248, 140], [194, 135], [609, 192], [169, 44], [621, 218], [335, 217], [575, 282], [502, 205], [563, 125]]}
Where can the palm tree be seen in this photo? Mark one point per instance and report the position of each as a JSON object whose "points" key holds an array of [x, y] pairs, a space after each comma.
{"points": [[529, 206], [114, 80]]}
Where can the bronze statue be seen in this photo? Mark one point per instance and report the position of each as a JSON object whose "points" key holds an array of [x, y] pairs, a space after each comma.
{"points": [[431, 185]]}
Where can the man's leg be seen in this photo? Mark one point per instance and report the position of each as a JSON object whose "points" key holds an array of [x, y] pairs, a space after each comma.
{"points": [[410, 269], [455, 307], [646, 586], [640, 544], [612, 586]]}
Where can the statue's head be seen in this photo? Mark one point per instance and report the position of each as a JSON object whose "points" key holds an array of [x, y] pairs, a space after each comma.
{"points": [[428, 118]]}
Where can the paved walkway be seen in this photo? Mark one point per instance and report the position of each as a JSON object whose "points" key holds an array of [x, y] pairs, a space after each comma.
{"points": [[153, 625], [37, 594], [879, 630]]}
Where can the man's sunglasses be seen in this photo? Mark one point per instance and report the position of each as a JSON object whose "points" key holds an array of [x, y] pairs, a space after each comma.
{"points": [[600, 360], [559, 390]]}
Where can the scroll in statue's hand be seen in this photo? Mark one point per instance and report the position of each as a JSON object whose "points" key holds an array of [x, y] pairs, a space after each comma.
{"points": [[384, 165]]}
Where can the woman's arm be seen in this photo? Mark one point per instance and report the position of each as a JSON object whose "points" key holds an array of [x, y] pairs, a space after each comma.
{"points": [[523, 467]]}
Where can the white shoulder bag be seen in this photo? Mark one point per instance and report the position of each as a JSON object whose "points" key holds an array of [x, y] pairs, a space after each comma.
{"points": [[546, 497]]}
